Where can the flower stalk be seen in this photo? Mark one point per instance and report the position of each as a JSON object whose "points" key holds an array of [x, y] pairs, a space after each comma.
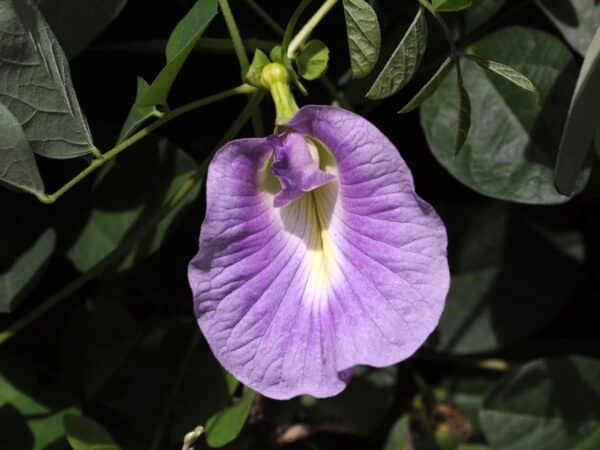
{"points": [[276, 79]]}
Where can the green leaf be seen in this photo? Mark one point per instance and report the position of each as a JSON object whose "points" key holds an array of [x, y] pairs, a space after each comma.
{"points": [[429, 88], [364, 36], [312, 60], [18, 279], [37, 87], [17, 162], [549, 404], [511, 149], [259, 61], [479, 14], [225, 426], [138, 114], [116, 214], [86, 434], [404, 62], [276, 54], [181, 42], [464, 110], [507, 72], [582, 121], [95, 342], [76, 24], [400, 437], [577, 20], [495, 300], [451, 5]]}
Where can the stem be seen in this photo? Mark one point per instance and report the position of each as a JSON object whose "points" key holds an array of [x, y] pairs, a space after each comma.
{"points": [[234, 32], [162, 425], [173, 202], [167, 117], [291, 25], [308, 27], [217, 45], [266, 18]]}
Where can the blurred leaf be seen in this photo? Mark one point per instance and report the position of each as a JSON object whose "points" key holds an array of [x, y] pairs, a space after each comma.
{"points": [[86, 434], [549, 404], [451, 5], [312, 60], [17, 163], [259, 61], [479, 13], [404, 62], [97, 339], [577, 20], [400, 437], [17, 280], [138, 114], [495, 298], [151, 177], [464, 110], [364, 36], [181, 42], [511, 149], [76, 23], [474, 447], [582, 122], [510, 73], [36, 84], [225, 426], [429, 88]]}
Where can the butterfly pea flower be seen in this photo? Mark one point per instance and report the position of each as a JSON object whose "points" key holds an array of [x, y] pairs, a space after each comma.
{"points": [[315, 255]]}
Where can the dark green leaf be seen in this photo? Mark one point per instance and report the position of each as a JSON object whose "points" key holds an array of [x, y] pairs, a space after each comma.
{"points": [[451, 5], [86, 434], [95, 342], [511, 149], [36, 84], [224, 427], [312, 60], [138, 114], [259, 61], [480, 13], [577, 20], [117, 214], [549, 404], [17, 280], [464, 110], [77, 23], [364, 36], [181, 42], [17, 163], [582, 123], [404, 62], [400, 436], [429, 88], [510, 73], [495, 300]]}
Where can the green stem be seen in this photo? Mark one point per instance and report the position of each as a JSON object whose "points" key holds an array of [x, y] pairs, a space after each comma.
{"points": [[167, 117], [216, 45], [291, 25], [308, 27], [265, 17], [234, 32], [173, 202]]}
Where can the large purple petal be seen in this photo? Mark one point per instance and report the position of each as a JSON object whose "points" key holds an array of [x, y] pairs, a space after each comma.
{"points": [[353, 272]]}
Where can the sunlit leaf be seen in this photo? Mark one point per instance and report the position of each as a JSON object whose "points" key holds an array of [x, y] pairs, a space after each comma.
{"points": [[429, 88], [181, 42], [36, 84], [404, 62], [548, 403], [583, 121], [84, 433], [451, 5], [510, 73], [577, 20], [224, 427], [312, 60], [511, 149], [17, 280], [17, 162], [364, 36]]}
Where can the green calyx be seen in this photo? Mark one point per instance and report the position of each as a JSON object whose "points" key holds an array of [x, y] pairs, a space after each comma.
{"points": [[276, 79]]}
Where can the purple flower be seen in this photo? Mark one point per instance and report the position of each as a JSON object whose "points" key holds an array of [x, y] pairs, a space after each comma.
{"points": [[316, 255]]}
